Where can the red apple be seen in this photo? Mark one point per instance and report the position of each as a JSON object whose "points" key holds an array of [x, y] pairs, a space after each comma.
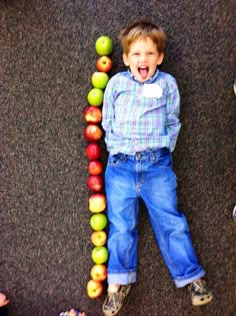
{"points": [[97, 202], [93, 151], [95, 183], [95, 167], [104, 64], [99, 238], [94, 288], [92, 114], [99, 272], [99, 254], [92, 132]]}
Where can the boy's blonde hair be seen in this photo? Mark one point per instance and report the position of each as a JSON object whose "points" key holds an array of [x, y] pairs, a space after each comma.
{"points": [[141, 30]]}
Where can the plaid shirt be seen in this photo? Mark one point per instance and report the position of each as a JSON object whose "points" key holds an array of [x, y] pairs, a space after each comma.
{"points": [[139, 116]]}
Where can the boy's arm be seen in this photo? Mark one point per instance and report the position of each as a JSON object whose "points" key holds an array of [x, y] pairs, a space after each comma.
{"points": [[173, 124], [108, 110]]}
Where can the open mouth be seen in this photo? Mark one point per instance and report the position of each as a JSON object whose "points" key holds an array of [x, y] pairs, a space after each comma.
{"points": [[143, 71]]}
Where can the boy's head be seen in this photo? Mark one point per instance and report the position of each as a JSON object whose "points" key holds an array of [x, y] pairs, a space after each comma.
{"points": [[143, 46], [141, 30]]}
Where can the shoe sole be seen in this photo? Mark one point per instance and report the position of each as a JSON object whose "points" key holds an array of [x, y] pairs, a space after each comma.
{"points": [[205, 300]]}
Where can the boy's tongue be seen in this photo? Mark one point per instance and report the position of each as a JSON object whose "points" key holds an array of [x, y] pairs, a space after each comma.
{"points": [[143, 72]]}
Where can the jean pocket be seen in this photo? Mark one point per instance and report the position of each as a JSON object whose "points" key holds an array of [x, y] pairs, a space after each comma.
{"points": [[115, 160], [165, 160]]}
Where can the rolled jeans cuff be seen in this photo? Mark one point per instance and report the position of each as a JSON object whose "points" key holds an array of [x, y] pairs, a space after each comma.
{"points": [[181, 282], [121, 278]]}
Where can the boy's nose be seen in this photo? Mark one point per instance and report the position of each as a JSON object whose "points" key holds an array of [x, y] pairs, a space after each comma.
{"points": [[143, 57]]}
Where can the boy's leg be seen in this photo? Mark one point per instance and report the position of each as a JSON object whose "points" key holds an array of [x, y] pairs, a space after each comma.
{"points": [[170, 225], [171, 228], [122, 210]]}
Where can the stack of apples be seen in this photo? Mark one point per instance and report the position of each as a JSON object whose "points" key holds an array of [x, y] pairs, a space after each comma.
{"points": [[93, 134]]}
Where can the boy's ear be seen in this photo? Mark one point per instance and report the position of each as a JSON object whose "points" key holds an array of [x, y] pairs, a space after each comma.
{"points": [[125, 59], [160, 58]]}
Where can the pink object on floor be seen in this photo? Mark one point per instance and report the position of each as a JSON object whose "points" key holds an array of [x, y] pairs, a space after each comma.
{"points": [[3, 300]]}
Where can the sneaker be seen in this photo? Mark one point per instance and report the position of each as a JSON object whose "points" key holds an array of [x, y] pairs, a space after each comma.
{"points": [[199, 293], [114, 301]]}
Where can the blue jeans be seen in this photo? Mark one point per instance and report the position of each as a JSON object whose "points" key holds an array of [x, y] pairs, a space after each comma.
{"points": [[147, 175]]}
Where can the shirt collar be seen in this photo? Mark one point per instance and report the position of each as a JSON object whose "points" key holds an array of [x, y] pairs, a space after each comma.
{"points": [[150, 80]]}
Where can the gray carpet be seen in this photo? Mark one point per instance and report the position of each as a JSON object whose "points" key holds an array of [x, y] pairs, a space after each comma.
{"points": [[47, 57]]}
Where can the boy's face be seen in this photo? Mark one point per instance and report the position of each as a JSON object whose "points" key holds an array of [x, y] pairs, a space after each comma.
{"points": [[143, 58]]}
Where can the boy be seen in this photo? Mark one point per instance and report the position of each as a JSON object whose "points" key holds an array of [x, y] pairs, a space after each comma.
{"points": [[141, 122]]}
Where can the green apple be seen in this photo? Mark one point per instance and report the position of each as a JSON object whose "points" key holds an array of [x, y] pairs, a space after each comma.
{"points": [[99, 79], [104, 45], [99, 254], [98, 221], [95, 97]]}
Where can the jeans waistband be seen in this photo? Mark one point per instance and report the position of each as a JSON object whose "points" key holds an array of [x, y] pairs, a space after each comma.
{"points": [[148, 154]]}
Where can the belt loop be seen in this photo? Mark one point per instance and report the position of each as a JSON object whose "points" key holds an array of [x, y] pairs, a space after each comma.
{"points": [[152, 155], [123, 157]]}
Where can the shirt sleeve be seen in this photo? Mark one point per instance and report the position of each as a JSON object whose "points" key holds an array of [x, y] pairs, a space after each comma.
{"points": [[173, 124], [108, 112]]}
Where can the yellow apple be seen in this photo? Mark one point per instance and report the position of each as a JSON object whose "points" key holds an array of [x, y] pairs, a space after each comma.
{"points": [[94, 288], [99, 238], [99, 272], [97, 202]]}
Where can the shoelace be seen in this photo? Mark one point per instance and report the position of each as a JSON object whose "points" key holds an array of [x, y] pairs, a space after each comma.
{"points": [[111, 299], [199, 287]]}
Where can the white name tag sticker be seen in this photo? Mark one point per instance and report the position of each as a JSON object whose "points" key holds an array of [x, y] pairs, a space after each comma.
{"points": [[152, 90]]}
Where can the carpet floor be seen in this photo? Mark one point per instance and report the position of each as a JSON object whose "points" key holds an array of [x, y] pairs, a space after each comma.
{"points": [[47, 57]]}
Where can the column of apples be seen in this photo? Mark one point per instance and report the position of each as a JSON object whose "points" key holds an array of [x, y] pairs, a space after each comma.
{"points": [[93, 134]]}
